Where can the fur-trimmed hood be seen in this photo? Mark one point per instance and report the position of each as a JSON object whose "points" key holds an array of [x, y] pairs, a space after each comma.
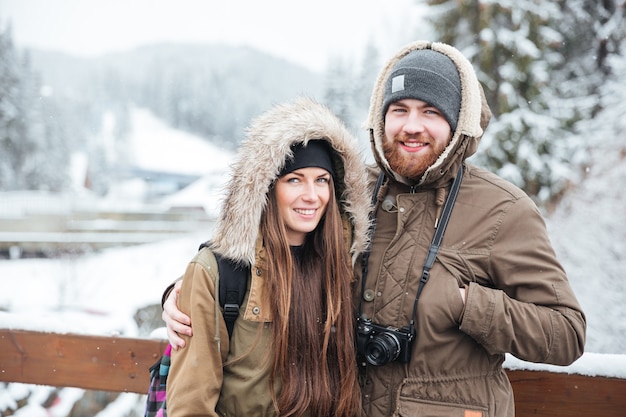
{"points": [[259, 160], [474, 117]]}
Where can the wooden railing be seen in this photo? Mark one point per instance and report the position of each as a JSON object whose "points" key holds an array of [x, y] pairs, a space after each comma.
{"points": [[68, 360], [121, 364]]}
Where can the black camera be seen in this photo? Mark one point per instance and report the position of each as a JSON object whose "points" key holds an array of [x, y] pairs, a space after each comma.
{"points": [[380, 345]]}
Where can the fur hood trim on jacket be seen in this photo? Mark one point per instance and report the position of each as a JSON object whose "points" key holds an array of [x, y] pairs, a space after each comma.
{"points": [[474, 116], [260, 159]]}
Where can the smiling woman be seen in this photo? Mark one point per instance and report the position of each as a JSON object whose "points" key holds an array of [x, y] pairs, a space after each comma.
{"points": [[295, 212], [303, 190]]}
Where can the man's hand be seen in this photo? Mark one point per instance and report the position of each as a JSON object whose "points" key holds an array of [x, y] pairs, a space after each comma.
{"points": [[176, 321], [463, 295]]}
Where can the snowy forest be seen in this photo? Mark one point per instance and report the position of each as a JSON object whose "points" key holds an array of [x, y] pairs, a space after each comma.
{"points": [[553, 73]]}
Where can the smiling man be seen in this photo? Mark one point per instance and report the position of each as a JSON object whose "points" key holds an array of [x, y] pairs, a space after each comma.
{"points": [[416, 133], [421, 107], [433, 337]]}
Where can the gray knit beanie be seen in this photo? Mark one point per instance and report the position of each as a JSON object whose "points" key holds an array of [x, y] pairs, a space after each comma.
{"points": [[428, 76]]}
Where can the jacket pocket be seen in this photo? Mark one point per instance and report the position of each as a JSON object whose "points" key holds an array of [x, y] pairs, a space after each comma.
{"points": [[414, 407]]}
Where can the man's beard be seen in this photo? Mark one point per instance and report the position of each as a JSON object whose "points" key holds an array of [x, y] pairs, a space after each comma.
{"points": [[409, 165]]}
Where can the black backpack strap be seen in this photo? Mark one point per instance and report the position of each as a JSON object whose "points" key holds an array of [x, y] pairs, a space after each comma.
{"points": [[233, 286]]}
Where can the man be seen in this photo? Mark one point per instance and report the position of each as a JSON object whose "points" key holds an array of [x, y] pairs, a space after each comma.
{"points": [[496, 286], [431, 341]]}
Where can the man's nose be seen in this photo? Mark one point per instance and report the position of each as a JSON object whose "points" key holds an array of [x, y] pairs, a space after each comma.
{"points": [[414, 123]]}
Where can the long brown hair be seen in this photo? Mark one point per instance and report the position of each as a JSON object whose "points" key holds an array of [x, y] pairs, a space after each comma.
{"points": [[312, 330]]}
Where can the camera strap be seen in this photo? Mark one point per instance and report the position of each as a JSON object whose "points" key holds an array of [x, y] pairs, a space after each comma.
{"points": [[434, 245]]}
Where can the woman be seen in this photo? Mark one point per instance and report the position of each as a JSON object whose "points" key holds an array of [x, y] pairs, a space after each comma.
{"points": [[296, 211]]}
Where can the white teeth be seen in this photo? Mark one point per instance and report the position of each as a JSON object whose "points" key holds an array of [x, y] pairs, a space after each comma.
{"points": [[306, 212], [413, 144]]}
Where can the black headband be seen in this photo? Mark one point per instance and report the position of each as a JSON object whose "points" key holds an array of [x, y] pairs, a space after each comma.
{"points": [[317, 153]]}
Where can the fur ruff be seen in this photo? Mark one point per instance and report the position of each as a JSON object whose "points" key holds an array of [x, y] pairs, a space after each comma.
{"points": [[259, 160], [473, 116]]}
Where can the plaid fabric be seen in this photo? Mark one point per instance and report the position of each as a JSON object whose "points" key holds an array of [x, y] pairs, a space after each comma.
{"points": [[155, 406]]}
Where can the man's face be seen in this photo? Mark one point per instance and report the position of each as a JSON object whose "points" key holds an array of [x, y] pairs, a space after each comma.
{"points": [[416, 133]]}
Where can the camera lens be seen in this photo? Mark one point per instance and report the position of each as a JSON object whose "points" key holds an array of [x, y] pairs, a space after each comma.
{"points": [[382, 348]]}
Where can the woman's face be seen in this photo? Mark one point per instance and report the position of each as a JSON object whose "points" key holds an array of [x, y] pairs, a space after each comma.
{"points": [[302, 197]]}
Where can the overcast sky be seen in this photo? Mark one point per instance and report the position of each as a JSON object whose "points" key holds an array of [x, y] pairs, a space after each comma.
{"points": [[304, 32]]}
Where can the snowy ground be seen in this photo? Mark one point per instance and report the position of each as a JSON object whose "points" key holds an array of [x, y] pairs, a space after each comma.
{"points": [[99, 293]]}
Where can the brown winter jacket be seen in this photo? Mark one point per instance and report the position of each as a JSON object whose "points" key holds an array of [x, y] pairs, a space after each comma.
{"points": [[496, 245], [198, 383]]}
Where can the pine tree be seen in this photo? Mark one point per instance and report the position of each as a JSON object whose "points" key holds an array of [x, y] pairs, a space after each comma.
{"points": [[340, 84], [528, 55], [9, 114], [348, 88], [35, 145], [593, 32], [20, 121]]}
